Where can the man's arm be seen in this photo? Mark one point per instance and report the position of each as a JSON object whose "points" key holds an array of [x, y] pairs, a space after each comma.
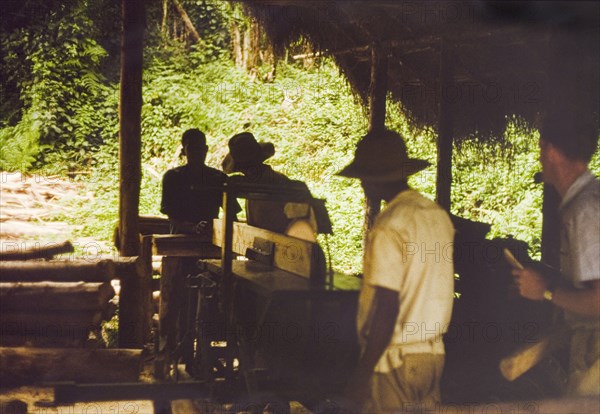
{"points": [[584, 302], [168, 194], [381, 330]]}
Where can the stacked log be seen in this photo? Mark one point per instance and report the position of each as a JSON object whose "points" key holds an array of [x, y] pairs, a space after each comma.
{"points": [[45, 252], [21, 366], [54, 303]]}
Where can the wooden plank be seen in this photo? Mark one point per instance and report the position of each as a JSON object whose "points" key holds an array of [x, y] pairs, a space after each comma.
{"points": [[266, 280], [22, 366], [527, 356], [57, 271], [45, 252], [50, 296], [290, 254], [153, 225], [184, 245]]}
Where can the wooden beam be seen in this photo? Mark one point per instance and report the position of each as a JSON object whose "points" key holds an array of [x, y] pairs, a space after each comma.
{"points": [[445, 129], [145, 275], [377, 109], [185, 245], [291, 254], [378, 88], [23, 365]]}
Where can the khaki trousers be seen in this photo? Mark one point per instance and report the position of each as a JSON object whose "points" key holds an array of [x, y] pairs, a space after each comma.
{"points": [[411, 383], [584, 366]]}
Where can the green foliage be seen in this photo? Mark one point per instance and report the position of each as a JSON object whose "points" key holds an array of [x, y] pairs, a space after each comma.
{"points": [[65, 103], [493, 183], [19, 143]]}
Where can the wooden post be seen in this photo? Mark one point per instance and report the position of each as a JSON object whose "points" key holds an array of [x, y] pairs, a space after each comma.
{"points": [[377, 88], [445, 129], [377, 97], [145, 275], [130, 145], [226, 265]]}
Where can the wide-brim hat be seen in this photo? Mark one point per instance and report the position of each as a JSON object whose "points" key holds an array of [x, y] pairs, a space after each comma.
{"points": [[382, 157], [246, 152]]}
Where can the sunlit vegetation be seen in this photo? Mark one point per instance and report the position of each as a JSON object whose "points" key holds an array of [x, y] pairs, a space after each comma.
{"points": [[59, 115]]}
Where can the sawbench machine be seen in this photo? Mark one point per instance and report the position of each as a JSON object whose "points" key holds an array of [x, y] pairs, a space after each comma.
{"points": [[264, 314]]}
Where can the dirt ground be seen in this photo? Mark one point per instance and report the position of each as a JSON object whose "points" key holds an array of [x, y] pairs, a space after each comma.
{"points": [[37, 398]]}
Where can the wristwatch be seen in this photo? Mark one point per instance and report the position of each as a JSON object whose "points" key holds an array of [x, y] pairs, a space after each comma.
{"points": [[548, 294]]}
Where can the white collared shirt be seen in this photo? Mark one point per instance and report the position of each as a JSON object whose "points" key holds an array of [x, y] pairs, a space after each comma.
{"points": [[410, 252], [580, 235]]}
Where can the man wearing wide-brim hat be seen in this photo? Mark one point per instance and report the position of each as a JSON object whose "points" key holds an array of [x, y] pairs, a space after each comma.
{"points": [[406, 298], [247, 155]]}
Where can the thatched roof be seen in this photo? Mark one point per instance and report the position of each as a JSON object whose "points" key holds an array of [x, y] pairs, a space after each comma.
{"points": [[505, 58]]}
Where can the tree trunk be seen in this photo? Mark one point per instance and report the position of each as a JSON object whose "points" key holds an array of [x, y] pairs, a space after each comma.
{"points": [[246, 48], [186, 21], [164, 29], [236, 38], [130, 150], [253, 46]]}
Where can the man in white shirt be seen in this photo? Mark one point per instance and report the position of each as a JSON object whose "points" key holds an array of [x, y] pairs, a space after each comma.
{"points": [[565, 151], [406, 299]]}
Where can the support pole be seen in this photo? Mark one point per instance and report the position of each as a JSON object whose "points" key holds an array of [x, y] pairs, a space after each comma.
{"points": [[229, 197], [377, 97], [445, 129], [130, 147]]}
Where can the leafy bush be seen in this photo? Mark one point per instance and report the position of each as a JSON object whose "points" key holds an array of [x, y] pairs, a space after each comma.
{"points": [[67, 108], [65, 115]]}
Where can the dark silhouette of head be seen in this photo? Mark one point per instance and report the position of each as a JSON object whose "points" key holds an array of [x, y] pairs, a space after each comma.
{"points": [[193, 142]]}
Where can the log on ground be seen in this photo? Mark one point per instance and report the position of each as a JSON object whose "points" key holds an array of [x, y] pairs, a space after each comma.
{"points": [[49, 324], [57, 271], [45, 252], [52, 296], [23, 366]]}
